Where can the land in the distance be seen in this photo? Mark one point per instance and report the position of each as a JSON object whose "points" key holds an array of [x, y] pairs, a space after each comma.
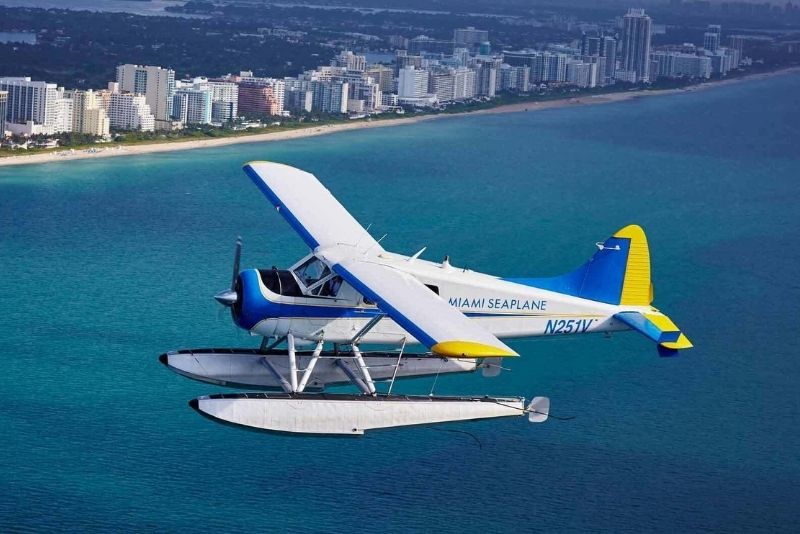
{"points": [[300, 131]]}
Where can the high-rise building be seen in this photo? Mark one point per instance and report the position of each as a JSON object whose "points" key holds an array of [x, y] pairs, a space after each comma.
{"points": [[299, 100], [678, 64], [515, 78], [33, 107], [412, 83], [737, 43], [636, 32], [257, 99], [156, 83], [545, 67], [470, 38], [224, 101], [383, 76], [366, 90], [464, 83], [580, 73], [350, 61], [278, 88], [608, 50], [192, 105], [590, 45], [88, 113], [64, 111], [3, 111], [487, 73], [441, 82], [711, 41], [128, 111], [736, 48], [330, 96]]}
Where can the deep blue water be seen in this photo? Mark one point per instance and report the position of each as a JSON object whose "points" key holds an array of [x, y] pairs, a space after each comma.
{"points": [[107, 263]]}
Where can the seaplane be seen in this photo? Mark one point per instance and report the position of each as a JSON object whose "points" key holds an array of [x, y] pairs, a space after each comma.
{"points": [[317, 318]]}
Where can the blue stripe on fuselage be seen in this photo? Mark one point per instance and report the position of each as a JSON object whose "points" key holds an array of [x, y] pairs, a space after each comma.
{"points": [[256, 307]]}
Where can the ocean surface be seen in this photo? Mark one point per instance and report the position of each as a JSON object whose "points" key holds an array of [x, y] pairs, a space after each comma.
{"points": [[105, 264]]}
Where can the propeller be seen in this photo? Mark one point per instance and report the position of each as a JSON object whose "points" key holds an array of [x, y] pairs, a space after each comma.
{"points": [[229, 297]]}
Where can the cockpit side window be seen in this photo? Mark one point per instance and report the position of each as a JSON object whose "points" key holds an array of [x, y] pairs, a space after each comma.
{"points": [[330, 287], [311, 272]]}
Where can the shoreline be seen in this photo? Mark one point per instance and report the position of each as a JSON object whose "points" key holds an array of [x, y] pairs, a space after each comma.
{"points": [[312, 131]]}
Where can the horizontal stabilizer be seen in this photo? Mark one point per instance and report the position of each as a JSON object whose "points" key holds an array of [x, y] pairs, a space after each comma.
{"points": [[657, 327]]}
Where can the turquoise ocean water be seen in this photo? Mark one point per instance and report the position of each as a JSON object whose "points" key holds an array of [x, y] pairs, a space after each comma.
{"points": [[107, 263]]}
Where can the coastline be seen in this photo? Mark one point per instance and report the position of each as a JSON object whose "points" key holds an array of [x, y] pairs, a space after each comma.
{"points": [[311, 131]]}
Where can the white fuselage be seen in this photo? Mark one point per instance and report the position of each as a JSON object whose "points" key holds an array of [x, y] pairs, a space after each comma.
{"points": [[504, 308]]}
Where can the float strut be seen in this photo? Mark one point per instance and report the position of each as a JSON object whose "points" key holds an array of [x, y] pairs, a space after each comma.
{"points": [[310, 366], [284, 384], [292, 362], [353, 377], [396, 367], [364, 370]]}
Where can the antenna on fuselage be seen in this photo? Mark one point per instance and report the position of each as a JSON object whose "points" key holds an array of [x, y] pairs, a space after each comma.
{"points": [[413, 258], [375, 243]]}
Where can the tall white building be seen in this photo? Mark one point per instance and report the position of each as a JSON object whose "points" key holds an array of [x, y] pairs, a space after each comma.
{"points": [[464, 83], [88, 114], [129, 111], [441, 82], [33, 107], [487, 73], [64, 111], [679, 64], [636, 33], [581, 74], [3, 110], [192, 105], [412, 83], [350, 61], [156, 83], [224, 101], [515, 78], [329, 96]]}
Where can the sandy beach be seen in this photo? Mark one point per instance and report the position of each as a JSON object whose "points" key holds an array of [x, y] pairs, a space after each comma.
{"points": [[584, 100]]}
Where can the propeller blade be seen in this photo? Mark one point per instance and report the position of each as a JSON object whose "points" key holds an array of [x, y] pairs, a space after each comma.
{"points": [[237, 256]]}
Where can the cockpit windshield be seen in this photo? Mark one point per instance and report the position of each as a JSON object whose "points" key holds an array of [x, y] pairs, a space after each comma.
{"points": [[317, 279], [311, 272]]}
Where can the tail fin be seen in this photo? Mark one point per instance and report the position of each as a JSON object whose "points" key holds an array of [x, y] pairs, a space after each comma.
{"points": [[619, 274]]}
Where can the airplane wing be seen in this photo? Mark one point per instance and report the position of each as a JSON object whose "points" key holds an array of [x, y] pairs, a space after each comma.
{"points": [[309, 207], [421, 312]]}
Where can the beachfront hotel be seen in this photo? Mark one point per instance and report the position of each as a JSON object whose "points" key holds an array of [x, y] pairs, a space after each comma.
{"points": [[157, 84], [636, 34], [129, 111], [3, 108]]}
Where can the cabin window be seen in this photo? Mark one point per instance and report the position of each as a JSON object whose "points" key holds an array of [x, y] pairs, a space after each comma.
{"points": [[327, 287], [433, 288], [311, 272]]}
